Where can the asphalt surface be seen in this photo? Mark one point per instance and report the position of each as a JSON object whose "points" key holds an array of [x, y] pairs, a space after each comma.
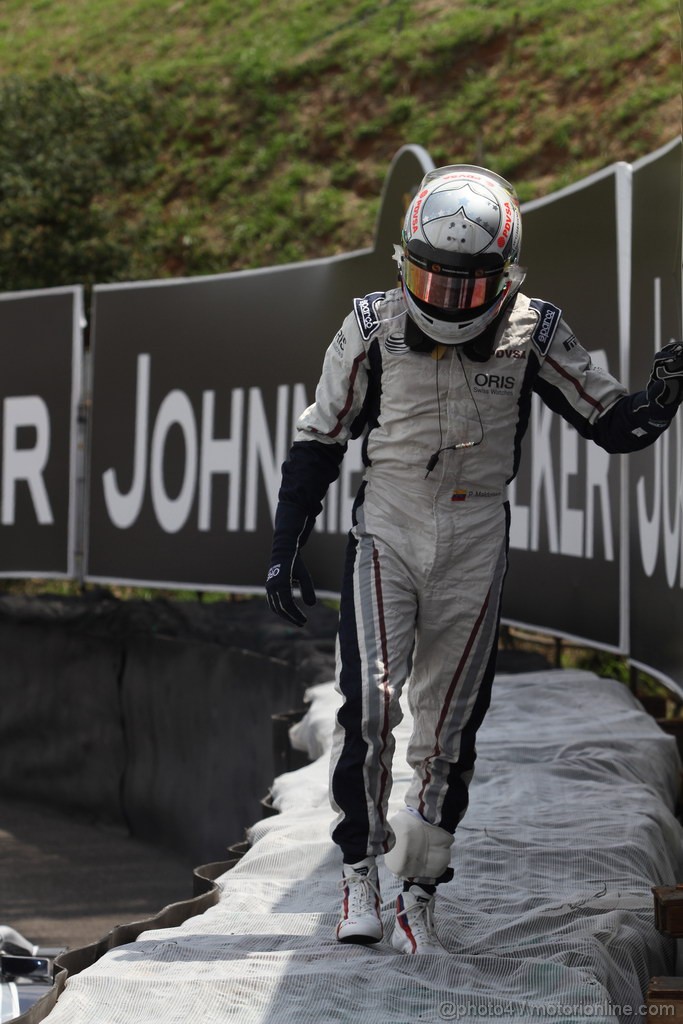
{"points": [[67, 882]]}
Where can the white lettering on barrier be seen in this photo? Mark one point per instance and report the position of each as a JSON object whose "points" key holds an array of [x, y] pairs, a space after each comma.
{"points": [[262, 454], [648, 527], [299, 404], [664, 526], [248, 458], [124, 509], [571, 519], [25, 464], [175, 410], [597, 486], [217, 457], [221, 457], [663, 492], [671, 504], [542, 478], [569, 530]]}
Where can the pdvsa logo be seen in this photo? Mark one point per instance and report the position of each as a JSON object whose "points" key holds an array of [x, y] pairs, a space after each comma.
{"points": [[507, 225], [510, 353]]}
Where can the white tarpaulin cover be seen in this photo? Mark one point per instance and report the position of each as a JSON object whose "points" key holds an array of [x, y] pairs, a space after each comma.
{"points": [[550, 913]]}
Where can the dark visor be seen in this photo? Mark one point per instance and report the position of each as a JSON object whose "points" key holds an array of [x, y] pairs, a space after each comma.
{"points": [[449, 288]]}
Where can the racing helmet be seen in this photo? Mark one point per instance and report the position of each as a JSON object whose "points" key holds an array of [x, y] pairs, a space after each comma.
{"points": [[459, 258]]}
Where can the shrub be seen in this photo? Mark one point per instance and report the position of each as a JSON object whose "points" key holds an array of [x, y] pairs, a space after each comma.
{"points": [[65, 147]]}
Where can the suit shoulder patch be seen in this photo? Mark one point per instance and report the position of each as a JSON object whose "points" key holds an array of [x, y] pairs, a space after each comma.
{"points": [[549, 317], [365, 311]]}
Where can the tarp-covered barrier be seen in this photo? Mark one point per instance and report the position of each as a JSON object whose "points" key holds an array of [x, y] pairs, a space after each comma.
{"points": [[550, 913]]}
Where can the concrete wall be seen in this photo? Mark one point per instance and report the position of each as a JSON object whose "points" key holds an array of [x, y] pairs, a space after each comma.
{"points": [[109, 716]]}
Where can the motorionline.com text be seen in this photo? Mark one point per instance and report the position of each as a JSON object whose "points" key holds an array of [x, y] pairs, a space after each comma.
{"points": [[451, 1010]]}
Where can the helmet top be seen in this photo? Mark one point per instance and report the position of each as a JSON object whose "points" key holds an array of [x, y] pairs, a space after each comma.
{"points": [[461, 240], [465, 209]]}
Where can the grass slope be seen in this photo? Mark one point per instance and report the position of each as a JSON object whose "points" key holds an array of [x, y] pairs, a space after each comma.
{"points": [[275, 120]]}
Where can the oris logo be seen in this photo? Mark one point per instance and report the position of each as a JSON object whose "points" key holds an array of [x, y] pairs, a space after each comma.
{"points": [[497, 383]]}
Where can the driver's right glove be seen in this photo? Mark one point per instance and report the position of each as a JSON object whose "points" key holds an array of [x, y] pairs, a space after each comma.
{"points": [[287, 569]]}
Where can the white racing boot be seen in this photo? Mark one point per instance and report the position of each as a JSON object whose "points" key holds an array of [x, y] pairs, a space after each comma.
{"points": [[360, 922], [414, 929]]}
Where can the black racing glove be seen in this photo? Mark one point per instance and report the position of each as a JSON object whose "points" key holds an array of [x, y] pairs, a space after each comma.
{"points": [[654, 408], [665, 386], [287, 569]]}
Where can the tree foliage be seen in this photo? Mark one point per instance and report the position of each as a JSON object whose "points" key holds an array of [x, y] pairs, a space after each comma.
{"points": [[67, 147]]}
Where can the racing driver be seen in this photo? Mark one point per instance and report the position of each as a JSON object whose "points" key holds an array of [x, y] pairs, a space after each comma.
{"points": [[427, 551]]}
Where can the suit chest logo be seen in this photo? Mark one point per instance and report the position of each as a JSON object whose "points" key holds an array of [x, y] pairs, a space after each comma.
{"points": [[494, 383]]}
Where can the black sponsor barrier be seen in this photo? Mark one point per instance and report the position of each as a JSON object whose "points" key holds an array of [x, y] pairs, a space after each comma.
{"points": [[40, 353], [656, 563], [156, 715], [566, 500]]}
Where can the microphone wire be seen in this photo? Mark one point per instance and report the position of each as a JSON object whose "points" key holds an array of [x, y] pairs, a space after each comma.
{"points": [[434, 458]]}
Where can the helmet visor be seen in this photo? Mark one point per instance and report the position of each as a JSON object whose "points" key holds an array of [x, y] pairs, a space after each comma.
{"points": [[449, 289]]}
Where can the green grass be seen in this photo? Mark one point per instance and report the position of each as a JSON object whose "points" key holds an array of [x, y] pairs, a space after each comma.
{"points": [[275, 122]]}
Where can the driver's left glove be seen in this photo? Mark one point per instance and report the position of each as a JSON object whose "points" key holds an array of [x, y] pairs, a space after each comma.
{"points": [[287, 569], [665, 386]]}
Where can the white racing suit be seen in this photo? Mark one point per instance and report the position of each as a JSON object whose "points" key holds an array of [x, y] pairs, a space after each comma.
{"points": [[427, 552]]}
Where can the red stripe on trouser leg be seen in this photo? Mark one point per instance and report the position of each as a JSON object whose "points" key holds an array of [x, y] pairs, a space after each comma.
{"points": [[450, 693], [376, 630], [384, 735]]}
